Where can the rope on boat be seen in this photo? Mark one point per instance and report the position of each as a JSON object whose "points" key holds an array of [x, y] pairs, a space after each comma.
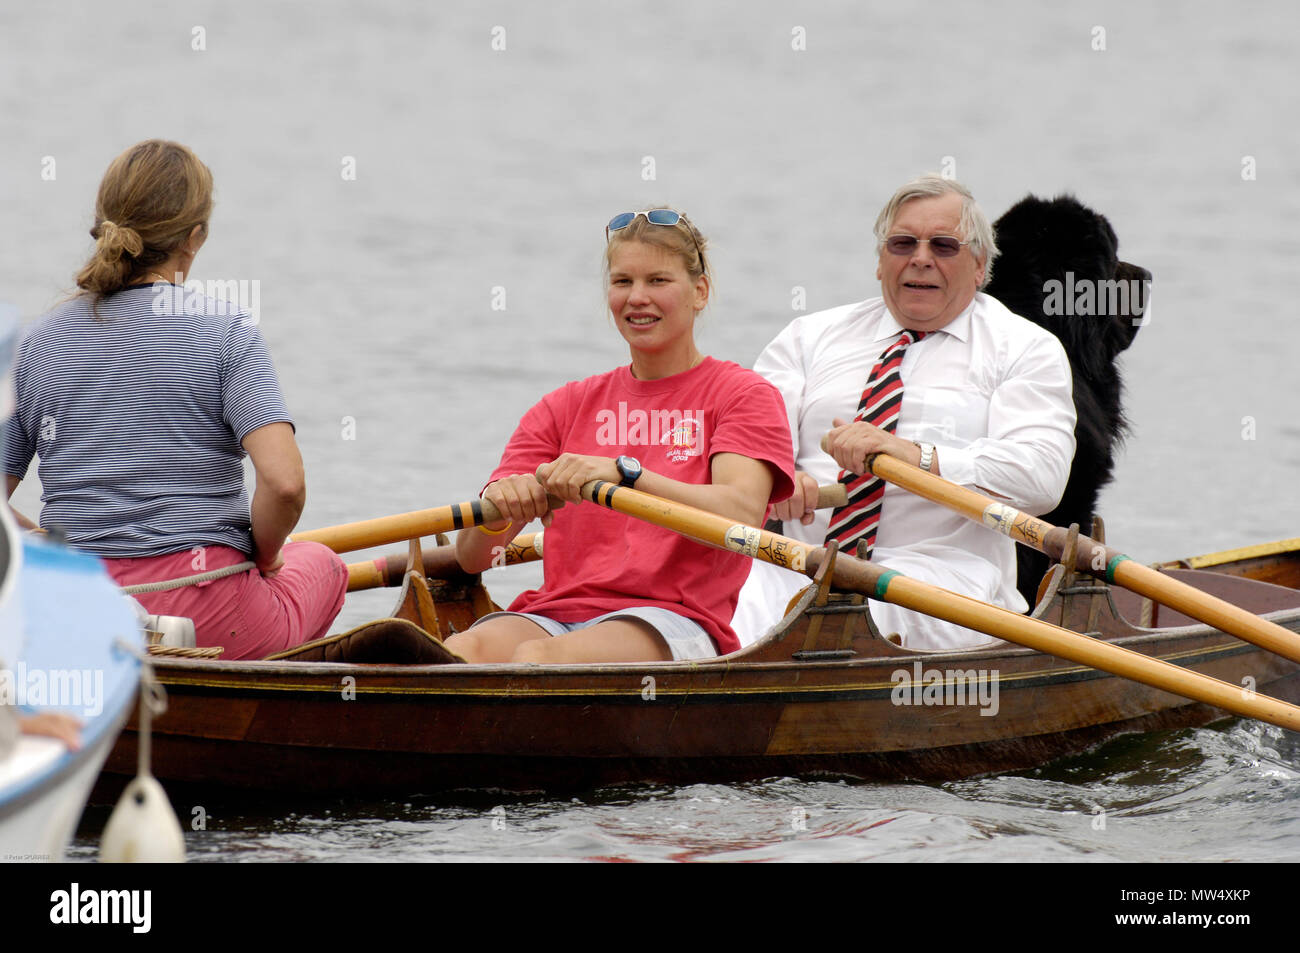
{"points": [[194, 580], [143, 825], [178, 651], [153, 701]]}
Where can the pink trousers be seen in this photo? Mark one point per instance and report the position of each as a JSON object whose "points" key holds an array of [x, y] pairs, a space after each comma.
{"points": [[249, 615]]}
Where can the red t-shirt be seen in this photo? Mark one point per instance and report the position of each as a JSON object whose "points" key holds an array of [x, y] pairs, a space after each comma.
{"points": [[598, 561]]}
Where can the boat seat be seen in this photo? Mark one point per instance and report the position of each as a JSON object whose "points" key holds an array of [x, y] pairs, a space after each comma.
{"points": [[396, 641]]}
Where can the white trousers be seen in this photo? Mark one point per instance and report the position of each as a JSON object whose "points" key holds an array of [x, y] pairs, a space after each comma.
{"points": [[769, 589]]}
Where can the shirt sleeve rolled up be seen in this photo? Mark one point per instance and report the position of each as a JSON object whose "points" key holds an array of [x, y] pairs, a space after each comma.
{"points": [[1025, 457]]}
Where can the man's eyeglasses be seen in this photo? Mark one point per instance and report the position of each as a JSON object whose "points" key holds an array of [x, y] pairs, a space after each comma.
{"points": [[942, 246], [655, 216]]}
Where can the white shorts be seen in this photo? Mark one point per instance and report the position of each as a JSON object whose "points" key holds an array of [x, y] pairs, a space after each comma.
{"points": [[685, 637], [769, 588]]}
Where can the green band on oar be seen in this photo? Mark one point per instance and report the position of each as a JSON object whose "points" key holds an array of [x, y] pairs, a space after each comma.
{"points": [[882, 584], [1092, 557], [1110, 567], [856, 575]]}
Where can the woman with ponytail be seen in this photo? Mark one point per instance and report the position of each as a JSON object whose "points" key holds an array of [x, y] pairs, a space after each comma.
{"points": [[141, 404]]}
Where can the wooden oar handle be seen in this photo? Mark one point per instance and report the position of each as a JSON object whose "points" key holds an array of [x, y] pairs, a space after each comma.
{"points": [[393, 529], [349, 537], [831, 495]]}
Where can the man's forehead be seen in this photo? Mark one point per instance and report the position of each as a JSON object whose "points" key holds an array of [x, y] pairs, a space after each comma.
{"points": [[934, 210]]}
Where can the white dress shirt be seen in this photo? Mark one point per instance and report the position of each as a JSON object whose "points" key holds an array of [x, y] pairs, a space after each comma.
{"points": [[991, 391]]}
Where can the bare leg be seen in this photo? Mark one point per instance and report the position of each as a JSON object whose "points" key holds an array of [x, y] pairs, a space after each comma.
{"points": [[496, 639], [617, 640]]}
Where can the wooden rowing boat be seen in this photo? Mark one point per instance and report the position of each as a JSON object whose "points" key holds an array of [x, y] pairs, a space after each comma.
{"points": [[823, 693]]}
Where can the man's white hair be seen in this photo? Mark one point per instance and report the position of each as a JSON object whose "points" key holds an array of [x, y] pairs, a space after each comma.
{"points": [[974, 225]]}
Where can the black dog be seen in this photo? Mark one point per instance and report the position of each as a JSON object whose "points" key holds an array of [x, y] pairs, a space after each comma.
{"points": [[1059, 267]]}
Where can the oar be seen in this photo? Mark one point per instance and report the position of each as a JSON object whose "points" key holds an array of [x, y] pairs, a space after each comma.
{"points": [[349, 537], [389, 570], [439, 563], [1093, 558], [856, 575]]}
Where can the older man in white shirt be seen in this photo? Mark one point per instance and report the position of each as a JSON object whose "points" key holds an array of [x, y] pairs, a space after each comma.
{"points": [[986, 403]]}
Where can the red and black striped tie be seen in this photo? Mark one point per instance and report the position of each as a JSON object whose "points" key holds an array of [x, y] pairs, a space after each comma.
{"points": [[880, 404]]}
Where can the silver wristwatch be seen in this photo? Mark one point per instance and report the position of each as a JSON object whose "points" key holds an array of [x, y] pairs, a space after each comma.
{"points": [[927, 454]]}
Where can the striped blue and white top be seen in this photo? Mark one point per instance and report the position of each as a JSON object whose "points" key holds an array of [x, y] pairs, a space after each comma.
{"points": [[138, 417]]}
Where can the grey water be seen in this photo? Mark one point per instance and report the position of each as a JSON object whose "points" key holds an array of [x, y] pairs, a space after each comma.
{"points": [[419, 193]]}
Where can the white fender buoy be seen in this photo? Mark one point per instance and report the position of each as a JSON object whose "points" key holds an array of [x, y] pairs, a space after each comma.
{"points": [[143, 828]]}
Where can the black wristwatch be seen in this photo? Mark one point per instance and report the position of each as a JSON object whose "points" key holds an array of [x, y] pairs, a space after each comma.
{"points": [[630, 468]]}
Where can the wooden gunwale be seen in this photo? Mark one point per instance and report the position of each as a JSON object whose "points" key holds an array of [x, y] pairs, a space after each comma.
{"points": [[389, 677], [1239, 555]]}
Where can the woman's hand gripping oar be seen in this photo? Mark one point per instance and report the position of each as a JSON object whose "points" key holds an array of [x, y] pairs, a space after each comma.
{"points": [[439, 564], [856, 575], [1093, 558]]}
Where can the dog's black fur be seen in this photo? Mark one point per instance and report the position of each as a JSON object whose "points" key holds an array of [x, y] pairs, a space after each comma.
{"points": [[1040, 240]]}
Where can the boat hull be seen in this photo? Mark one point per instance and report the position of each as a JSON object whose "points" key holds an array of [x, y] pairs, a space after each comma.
{"points": [[336, 768], [384, 728], [790, 706]]}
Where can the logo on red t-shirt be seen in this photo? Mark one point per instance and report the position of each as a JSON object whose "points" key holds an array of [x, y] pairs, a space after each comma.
{"points": [[685, 441]]}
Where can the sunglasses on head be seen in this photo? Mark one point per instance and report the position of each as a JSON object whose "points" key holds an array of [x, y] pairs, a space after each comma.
{"points": [[942, 246], [655, 216]]}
